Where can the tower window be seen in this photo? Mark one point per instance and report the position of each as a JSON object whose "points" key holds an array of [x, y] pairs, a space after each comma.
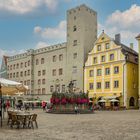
{"points": [[74, 42], [74, 28]]}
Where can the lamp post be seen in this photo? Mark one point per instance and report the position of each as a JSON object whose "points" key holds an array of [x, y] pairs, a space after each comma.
{"points": [[1, 103], [138, 39]]}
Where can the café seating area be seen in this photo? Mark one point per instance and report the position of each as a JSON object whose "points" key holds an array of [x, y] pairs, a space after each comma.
{"points": [[21, 119]]}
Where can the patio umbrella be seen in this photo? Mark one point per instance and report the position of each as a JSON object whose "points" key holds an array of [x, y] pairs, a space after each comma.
{"points": [[114, 100], [8, 87], [102, 101], [11, 87]]}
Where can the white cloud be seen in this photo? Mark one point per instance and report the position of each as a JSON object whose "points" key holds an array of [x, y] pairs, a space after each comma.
{"points": [[126, 23], [126, 19], [41, 45], [56, 33], [9, 52], [26, 6]]}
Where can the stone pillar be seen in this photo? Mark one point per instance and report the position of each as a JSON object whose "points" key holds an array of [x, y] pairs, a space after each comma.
{"points": [[138, 39]]}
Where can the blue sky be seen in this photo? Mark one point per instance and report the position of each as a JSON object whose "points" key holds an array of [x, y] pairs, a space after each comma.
{"points": [[26, 24]]}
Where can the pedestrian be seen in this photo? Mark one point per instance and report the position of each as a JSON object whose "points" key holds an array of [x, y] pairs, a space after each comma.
{"points": [[32, 106], [7, 104], [43, 105]]}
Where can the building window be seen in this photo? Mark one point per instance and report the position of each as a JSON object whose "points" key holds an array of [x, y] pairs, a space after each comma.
{"points": [[39, 82], [21, 74], [28, 72], [74, 55], [13, 75], [74, 17], [60, 57], [63, 88], [116, 69], [107, 46], [74, 69], [91, 73], [28, 82], [17, 65], [10, 75], [28, 62], [21, 65], [116, 84], [74, 42], [107, 84], [42, 60], [107, 71], [14, 66], [24, 82], [54, 72], [111, 57], [99, 72], [37, 61], [99, 48], [54, 58], [43, 81], [43, 72], [74, 28], [103, 58], [10, 67], [57, 88], [39, 91], [90, 86], [98, 85], [51, 88], [43, 90], [25, 64], [25, 73], [39, 73], [17, 74], [60, 71], [95, 60]]}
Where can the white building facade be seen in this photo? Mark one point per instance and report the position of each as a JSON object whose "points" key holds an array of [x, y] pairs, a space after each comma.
{"points": [[52, 68]]}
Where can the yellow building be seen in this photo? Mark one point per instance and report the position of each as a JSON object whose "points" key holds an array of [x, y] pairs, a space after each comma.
{"points": [[111, 73]]}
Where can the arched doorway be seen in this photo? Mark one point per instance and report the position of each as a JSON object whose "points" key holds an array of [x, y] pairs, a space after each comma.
{"points": [[132, 102]]}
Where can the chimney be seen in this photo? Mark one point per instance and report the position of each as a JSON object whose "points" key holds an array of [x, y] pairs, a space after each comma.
{"points": [[131, 46], [118, 38]]}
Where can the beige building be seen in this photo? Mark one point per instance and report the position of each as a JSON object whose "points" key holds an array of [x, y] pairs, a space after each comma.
{"points": [[52, 68]]}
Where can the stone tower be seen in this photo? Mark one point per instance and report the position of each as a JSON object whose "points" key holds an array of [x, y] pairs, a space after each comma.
{"points": [[81, 35], [138, 39]]}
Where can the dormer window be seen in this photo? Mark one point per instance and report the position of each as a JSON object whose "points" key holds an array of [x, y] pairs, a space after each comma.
{"points": [[107, 46], [99, 48]]}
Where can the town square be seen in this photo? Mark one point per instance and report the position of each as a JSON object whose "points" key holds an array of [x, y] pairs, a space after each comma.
{"points": [[69, 70]]}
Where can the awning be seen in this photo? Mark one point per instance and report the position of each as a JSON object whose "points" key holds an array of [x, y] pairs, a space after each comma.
{"points": [[9, 87], [110, 97]]}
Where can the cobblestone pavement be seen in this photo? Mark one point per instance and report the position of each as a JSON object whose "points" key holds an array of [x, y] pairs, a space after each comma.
{"points": [[102, 125]]}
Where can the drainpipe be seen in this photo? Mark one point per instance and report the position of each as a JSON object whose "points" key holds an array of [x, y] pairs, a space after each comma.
{"points": [[138, 39], [124, 82]]}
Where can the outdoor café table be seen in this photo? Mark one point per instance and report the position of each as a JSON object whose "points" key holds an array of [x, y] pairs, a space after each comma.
{"points": [[25, 116]]}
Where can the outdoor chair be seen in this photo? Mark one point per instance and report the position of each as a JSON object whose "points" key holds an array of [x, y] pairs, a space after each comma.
{"points": [[15, 120], [9, 113], [33, 119]]}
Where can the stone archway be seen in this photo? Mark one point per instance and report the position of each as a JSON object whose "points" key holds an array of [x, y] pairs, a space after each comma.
{"points": [[132, 102]]}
